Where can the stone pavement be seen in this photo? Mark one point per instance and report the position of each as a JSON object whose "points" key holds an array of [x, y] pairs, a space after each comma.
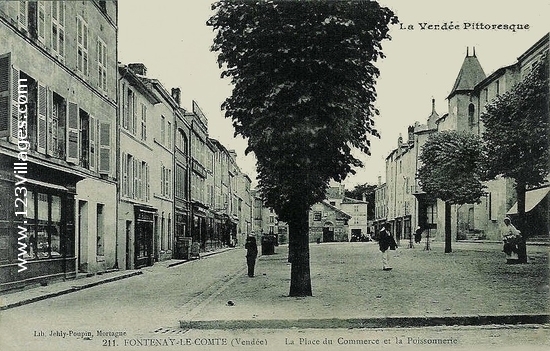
{"points": [[470, 286], [82, 281]]}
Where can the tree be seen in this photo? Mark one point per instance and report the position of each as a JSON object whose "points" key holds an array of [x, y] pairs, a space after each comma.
{"points": [[516, 136], [451, 171], [368, 190], [303, 97]]}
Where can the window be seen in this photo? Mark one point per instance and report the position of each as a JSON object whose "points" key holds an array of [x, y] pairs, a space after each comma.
{"points": [[84, 139], [101, 64], [471, 111], [181, 141], [317, 215], [57, 128], [44, 231], [40, 21], [129, 113], [58, 28], [165, 181], [100, 245], [143, 122], [82, 46]]}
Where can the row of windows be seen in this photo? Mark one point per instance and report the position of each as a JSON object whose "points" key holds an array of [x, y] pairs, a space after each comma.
{"points": [[54, 126], [135, 178], [46, 22]]}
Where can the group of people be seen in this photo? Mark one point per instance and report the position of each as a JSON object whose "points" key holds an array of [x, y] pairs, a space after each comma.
{"points": [[511, 237]]}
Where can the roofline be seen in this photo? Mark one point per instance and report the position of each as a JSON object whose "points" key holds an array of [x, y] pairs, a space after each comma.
{"points": [[324, 202], [499, 72], [535, 46], [127, 73]]}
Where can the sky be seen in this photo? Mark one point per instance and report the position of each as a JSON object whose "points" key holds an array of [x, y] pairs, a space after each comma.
{"points": [[171, 38]]}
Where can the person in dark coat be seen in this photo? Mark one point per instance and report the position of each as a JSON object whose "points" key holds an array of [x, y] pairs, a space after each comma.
{"points": [[418, 235], [386, 242], [251, 254]]}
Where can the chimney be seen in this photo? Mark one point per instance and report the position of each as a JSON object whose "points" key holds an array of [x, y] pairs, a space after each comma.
{"points": [[176, 95], [433, 105], [379, 180], [364, 197], [138, 68]]}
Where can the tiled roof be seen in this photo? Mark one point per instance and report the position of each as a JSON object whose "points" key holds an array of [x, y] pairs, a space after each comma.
{"points": [[469, 76]]}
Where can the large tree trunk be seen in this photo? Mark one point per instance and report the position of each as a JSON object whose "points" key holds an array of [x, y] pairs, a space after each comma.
{"points": [[448, 236], [522, 225], [300, 278]]}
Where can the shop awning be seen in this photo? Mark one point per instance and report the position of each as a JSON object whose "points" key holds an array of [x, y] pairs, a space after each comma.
{"points": [[47, 185], [532, 199]]}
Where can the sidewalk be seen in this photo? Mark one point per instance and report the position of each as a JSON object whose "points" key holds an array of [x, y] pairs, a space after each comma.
{"points": [[470, 286], [82, 281]]}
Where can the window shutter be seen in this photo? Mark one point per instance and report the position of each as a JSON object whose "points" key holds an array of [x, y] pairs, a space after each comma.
{"points": [[41, 21], [23, 18], [72, 133], [49, 123], [42, 126], [14, 104], [5, 103], [104, 147], [92, 143], [124, 174], [148, 194]]}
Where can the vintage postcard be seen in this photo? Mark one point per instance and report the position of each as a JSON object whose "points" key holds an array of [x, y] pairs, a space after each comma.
{"points": [[132, 216]]}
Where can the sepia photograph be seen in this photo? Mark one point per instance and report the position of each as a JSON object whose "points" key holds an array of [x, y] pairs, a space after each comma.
{"points": [[274, 175]]}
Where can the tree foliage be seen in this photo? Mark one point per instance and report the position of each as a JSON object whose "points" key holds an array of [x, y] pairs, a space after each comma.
{"points": [[303, 96], [304, 88], [451, 167], [451, 171], [517, 130]]}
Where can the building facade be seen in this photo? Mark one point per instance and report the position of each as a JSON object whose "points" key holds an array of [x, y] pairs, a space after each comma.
{"points": [[57, 131], [407, 204]]}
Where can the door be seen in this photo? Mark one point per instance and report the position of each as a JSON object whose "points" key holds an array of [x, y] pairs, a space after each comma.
{"points": [[129, 250], [328, 233]]}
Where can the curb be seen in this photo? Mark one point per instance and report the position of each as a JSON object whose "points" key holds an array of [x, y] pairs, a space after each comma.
{"points": [[205, 254], [68, 290], [374, 322]]}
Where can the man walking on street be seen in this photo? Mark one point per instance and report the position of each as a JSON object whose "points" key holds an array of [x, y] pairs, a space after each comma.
{"points": [[251, 254], [386, 243]]}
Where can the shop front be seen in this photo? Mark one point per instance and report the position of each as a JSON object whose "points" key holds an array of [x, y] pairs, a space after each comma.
{"points": [[37, 230], [182, 235], [143, 237]]}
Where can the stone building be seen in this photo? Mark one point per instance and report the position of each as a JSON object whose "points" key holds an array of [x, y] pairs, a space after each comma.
{"points": [[136, 208], [58, 112], [407, 204]]}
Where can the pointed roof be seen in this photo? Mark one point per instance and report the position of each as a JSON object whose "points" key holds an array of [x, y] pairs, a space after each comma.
{"points": [[469, 76], [335, 209]]}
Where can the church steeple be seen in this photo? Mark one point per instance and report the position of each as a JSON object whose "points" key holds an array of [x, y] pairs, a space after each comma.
{"points": [[469, 76]]}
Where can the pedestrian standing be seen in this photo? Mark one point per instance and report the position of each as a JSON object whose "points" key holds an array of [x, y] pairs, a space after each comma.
{"points": [[386, 242], [511, 238], [251, 254], [418, 235]]}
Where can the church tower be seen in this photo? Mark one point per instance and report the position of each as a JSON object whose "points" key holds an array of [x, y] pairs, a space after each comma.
{"points": [[462, 102]]}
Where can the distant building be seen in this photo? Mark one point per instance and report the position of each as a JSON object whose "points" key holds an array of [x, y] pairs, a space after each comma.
{"points": [[407, 204]]}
